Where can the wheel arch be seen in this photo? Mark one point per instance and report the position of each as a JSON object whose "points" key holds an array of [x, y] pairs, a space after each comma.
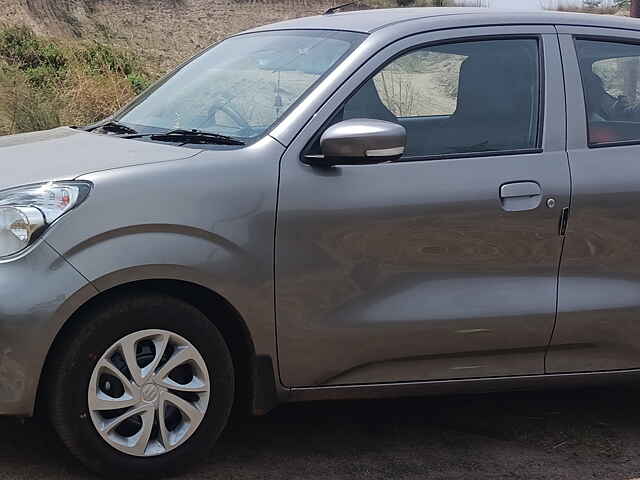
{"points": [[255, 378]]}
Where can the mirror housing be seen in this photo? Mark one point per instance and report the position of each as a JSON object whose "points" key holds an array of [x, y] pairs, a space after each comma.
{"points": [[360, 141]]}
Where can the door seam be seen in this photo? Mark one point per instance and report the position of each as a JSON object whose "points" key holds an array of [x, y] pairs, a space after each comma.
{"points": [[564, 237]]}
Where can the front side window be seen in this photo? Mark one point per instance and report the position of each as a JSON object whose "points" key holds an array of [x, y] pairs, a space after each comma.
{"points": [[243, 85], [460, 98], [611, 84], [421, 84]]}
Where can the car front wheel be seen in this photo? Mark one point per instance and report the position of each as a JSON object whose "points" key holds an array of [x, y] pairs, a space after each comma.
{"points": [[142, 385]]}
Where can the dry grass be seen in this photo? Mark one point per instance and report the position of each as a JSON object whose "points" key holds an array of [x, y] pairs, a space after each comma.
{"points": [[23, 108], [87, 99], [47, 82]]}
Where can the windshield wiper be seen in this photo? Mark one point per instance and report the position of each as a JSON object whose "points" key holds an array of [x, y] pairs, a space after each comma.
{"points": [[189, 136], [113, 126]]}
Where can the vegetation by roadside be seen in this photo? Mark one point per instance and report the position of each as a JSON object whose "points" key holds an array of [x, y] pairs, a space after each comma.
{"points": [[45, 82]]}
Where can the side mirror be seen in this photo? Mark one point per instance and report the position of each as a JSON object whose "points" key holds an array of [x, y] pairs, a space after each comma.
{"points": [[360, 141]]}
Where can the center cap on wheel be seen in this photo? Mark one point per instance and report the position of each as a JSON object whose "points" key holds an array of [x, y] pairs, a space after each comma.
{"points": [[150, 392]]}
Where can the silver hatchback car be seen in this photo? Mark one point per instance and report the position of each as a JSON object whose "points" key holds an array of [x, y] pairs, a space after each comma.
{"points": [[354, 205]]}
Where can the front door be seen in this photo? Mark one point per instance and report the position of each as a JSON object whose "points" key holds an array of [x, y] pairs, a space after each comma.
{"points": [[443, 264]]}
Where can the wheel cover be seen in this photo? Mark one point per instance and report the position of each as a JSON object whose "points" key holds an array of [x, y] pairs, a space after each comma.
{"points": [[148, 393]]}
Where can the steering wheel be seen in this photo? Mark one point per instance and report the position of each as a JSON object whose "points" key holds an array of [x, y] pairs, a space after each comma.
{"points": [[237, 118]]}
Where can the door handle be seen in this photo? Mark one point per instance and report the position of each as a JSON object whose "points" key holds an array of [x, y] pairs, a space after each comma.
{"points": [[520, 196]]}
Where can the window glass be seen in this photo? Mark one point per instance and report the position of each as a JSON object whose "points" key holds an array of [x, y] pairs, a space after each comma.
{"points": [[243, 85], [421, 84], [468, 97], [610, 79]]}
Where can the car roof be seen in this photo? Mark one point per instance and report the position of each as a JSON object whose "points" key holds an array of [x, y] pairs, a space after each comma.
{"points": [[369, 21]]}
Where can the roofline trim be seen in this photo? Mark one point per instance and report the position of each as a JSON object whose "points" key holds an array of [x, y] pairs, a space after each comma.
{"points": [[406, 20], [308, 29], [512, 18]]}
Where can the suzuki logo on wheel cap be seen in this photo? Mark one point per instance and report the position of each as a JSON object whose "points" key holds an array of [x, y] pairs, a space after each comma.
{"points": [[150, 392]]}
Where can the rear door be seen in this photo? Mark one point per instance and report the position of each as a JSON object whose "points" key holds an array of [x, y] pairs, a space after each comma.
{"points": [[443, 264], [598, 325]]}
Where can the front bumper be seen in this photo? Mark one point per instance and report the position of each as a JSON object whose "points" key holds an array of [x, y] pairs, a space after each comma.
{"points": [[38, 292]]}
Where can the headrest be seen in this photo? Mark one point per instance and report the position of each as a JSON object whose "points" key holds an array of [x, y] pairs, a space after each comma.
{"points": [[494, 85]]}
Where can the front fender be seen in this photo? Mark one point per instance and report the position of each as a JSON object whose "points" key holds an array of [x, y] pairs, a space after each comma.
{"points": [[208, 220]]}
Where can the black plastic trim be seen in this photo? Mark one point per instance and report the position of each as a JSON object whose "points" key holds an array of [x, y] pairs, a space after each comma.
{"points": [[265, 397]]}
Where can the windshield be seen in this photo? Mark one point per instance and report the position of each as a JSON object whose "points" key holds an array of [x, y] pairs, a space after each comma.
{"points": [[243, 85]]}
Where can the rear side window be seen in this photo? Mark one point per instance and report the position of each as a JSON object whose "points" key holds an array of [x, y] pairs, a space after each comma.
{"points": [[458, 98], [610, 79]]}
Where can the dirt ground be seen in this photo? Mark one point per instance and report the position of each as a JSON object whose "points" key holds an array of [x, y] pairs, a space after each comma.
{"points": [[573, 435]]}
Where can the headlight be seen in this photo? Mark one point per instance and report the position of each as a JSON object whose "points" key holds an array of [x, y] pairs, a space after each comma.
{"points": [[26, 212]]}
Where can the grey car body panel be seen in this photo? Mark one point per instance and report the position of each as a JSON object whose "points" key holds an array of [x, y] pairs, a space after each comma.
{"points": [[411, 270], [65, 153], [599, 293], [40, 290], [208, 218], [208, 221]]}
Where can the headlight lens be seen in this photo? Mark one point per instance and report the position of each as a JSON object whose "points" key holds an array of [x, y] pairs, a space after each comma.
{"points": [[25, 212]]}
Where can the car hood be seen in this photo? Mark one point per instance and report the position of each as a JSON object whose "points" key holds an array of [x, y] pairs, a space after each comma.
{"points": [[64, 153]]}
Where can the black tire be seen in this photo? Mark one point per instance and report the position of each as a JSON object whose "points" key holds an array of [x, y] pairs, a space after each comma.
{"points": [[75, 358]]}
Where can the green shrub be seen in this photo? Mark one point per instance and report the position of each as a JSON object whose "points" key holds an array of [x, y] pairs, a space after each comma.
{"points": [[100, 58], [138, 82], [21, 46]]}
